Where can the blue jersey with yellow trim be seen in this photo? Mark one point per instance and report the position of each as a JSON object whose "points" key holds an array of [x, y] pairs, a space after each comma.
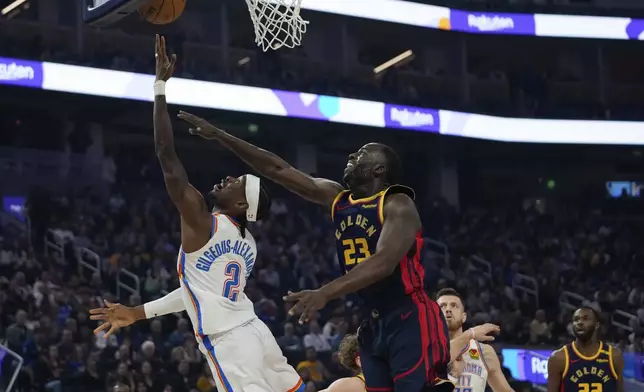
{"points": [[358, 225], [589, 374]]}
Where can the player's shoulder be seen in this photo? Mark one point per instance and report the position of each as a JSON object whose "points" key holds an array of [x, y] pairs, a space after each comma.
{"points": [[399, 190], [348, 384], [560, 354], [399, 201]]}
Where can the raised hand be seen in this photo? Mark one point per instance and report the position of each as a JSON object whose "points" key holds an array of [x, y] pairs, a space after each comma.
{"points": [[200, 127], [114, 317], [165, 65]]}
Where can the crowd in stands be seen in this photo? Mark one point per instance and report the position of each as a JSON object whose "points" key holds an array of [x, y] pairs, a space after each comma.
{"points": [[528, 89], [44, 297]]}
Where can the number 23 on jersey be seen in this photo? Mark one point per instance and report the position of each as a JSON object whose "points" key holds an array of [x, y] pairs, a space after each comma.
{"points": [[355, 250], [590, 387]]}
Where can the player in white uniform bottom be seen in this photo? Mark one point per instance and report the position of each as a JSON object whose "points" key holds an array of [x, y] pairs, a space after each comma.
{"points": [[479, 365], [215, 260]]}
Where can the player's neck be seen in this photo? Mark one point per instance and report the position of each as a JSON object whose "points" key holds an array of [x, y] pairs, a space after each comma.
{"points": [[360, 191], [455, 333], [588, 347]]}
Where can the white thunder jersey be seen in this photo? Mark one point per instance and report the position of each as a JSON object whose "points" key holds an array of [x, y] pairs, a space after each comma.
{"points": [[474, 375], [214, 278]]}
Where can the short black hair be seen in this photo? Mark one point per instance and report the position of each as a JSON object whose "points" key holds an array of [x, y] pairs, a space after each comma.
{"points": [[449, 291], [593, 311], [393, 163], [264, 204]]}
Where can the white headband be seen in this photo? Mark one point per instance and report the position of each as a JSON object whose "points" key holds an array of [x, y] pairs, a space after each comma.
{"points": [[252, 197]]}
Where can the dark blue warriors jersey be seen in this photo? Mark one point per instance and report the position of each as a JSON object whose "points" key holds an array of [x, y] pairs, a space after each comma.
{"points": [[589, 374], [358, 225]]}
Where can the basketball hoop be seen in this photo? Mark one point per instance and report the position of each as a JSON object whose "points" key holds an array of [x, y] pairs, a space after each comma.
{"points": [[277, 23]]}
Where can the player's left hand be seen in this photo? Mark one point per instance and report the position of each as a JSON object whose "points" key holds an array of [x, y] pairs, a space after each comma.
{"points": [[164, 65], [307, 303]]}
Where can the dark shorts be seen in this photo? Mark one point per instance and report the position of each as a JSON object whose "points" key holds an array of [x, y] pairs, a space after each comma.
{"points": [[406, 348]]}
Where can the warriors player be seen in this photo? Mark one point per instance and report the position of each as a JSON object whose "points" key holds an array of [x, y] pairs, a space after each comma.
{"points": [[587, 364], [404, 344], [216, 257], [480, 362]]}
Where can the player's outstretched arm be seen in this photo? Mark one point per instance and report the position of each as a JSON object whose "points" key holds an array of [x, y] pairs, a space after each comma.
{"points": [[117, 316], [495, 379], [186, 198], [556, 365], [402, 222], [269, 165], [618, 365]]}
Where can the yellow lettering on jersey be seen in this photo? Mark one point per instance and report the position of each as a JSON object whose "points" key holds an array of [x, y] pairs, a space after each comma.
{"points": [[591, 387], [360, 221], [355, 250], [592, 370]]}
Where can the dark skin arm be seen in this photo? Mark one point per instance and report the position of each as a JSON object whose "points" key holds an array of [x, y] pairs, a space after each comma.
{"points": [[618, 364], [269, 165], [402, 222], [195, 218], [556, 365]]}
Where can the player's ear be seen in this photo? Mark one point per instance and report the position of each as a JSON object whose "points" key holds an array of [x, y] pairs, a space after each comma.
{"points": [[358, 362], [464, 317], [379, 169]]}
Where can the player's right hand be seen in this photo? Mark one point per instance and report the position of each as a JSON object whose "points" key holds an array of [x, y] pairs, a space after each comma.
{"points": [[164, 65], [485, 332], [200, 127], [114, 317]]}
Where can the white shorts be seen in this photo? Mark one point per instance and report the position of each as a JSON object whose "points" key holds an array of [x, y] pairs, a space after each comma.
{"points": [[247, 358]]}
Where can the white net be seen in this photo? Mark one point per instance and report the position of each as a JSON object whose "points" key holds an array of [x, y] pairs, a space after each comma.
{"points": [[277, 23]]}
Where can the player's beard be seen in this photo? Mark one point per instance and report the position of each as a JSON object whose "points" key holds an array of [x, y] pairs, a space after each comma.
{"points": [[360, 175], [454, 325], [586, 335]]}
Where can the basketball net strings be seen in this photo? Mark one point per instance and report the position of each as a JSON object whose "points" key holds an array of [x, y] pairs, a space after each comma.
{"points": [[277, 23]]}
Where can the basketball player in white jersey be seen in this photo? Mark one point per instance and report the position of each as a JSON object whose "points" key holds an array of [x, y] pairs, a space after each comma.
{"points": [[215, 260], [480, 364]]}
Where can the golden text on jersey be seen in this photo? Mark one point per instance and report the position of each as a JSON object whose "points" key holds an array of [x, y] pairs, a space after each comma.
{"points": [[214, 278], [589, 374], [358, 225]]}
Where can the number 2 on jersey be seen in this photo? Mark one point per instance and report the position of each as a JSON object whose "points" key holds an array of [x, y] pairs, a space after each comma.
{"points": [[355, 250], [231, 284], [590, 387]]}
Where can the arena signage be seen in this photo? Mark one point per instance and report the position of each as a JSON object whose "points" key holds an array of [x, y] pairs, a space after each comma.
{"points": [[475, 22], [532, 365], [195, 93]]}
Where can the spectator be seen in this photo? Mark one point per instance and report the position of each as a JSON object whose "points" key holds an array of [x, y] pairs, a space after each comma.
{"points": [[315, 368], [289, 341], [539, 328], [316, 339]]}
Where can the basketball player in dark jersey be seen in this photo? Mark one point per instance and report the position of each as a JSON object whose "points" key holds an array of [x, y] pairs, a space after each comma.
{"points": [[587, 364], [404, 345]]}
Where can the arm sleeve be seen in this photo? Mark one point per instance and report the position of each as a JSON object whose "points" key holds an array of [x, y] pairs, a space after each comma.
{"points": [[170, 303]]}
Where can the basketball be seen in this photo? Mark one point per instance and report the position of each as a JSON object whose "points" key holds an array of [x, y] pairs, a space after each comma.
{"points": [[162, 12]]}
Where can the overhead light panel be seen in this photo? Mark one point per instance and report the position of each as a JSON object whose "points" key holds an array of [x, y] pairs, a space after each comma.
{"points": [[12, 6], [397, 61]]}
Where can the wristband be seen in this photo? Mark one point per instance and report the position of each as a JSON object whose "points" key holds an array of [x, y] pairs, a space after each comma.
{"points": [[159, 87]]}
